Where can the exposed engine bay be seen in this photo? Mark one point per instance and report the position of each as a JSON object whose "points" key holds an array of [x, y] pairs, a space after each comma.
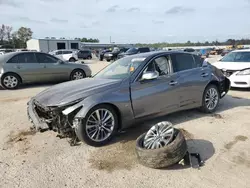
{"points": [[52, 118]]}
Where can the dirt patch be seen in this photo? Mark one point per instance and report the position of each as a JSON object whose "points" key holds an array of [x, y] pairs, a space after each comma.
{"points": [[14, 99], [187, 134], [22, 138], [115, 157], [217, 116], [242, 160], [235, 141]]}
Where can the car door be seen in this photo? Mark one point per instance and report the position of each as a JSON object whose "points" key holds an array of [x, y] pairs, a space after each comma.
{"points": [[157, 95], [54, 68], [192, 78], [28, 67]]}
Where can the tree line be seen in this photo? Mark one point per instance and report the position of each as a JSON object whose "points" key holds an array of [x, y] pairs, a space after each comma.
{"points": [[14, 39], [228, 42]]}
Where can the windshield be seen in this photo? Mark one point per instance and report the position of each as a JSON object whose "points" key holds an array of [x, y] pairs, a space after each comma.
{"points": [[236, 57], [132, 50], [121, 68]]}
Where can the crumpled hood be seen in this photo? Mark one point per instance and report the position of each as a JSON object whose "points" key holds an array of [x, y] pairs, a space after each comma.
{"points": [[231, 65], [71, 91]]}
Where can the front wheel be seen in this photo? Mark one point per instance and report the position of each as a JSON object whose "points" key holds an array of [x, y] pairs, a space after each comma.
{"points": [[77, 74], [211, 98], [99, 126]]}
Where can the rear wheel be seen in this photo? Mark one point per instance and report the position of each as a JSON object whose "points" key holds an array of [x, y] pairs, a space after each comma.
{"points": [[211, 98], [99, 126], [77, 74], [10, 81]]}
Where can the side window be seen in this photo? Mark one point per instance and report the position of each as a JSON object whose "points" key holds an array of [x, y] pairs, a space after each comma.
{"points": [[181, 62], [13, 60], [159, 64], [58, 53], [242, 57], [67, 52], [27, 58], [45, 58], [198, 61]]}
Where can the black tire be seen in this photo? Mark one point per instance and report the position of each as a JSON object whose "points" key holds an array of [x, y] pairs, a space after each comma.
{"points": [[204, 107], [162, 157], [89, 57], [77, 71], [81, 130], [72, 59], [108, 60], [15, 77]]}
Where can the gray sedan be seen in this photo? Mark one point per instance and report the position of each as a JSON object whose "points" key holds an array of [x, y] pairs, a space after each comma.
{"points": [[128, 90], [32, 67]]}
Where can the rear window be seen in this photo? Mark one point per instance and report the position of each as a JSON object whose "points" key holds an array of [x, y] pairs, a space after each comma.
{"points": [[144, 49], [13, 60]]}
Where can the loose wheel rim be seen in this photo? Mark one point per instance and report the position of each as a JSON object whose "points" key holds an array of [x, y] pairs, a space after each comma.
{"points": [[100, 125], [211, 98], [77, 75], [10, 81], [159, 135]]}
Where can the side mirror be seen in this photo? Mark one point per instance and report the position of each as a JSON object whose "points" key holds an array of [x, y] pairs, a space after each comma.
{"points": [[60, 62], [150, 75], [205, 63]]}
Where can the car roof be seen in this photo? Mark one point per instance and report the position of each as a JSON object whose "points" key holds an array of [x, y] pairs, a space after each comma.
{"points": [[156, 53], [242, 50]]}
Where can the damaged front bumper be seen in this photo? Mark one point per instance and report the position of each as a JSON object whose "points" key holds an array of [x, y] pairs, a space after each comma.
{"points": [[38, 124]]}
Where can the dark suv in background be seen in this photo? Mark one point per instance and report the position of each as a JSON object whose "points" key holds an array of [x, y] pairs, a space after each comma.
{"points": [[133, 51], [112, 56], [84, 54]]}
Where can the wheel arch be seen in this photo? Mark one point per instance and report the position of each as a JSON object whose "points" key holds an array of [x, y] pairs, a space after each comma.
{"points": [[21, 80]]}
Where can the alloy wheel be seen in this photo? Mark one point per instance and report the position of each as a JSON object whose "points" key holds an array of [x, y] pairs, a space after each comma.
{"points": [[159, 135], [100, 125], [10, 81], [78, 75], [211, 98]]}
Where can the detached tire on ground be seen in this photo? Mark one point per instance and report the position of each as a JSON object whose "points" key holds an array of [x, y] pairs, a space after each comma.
{"points": [[162, 157]]}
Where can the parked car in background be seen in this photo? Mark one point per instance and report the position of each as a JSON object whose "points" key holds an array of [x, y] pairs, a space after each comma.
{"points": [[193, 51], [84, 54], [66, 55], [101, 55], [225, 51], [109, 56], [5, 51], [236, 66], [130, 89], [133, 51], [31, 67]]}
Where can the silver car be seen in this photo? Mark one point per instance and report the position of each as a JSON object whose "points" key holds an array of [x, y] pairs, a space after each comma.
{"points": [[31, 67], [128, 90]]}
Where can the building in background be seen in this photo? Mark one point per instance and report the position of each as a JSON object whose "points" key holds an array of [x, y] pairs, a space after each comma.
{"points": [[47, 45]]}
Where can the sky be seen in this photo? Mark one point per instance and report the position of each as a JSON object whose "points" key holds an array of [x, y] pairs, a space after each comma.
{"points": [[131, 21]]}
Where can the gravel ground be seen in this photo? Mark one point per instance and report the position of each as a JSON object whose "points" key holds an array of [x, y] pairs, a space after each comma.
{"points": [[30, 159]]}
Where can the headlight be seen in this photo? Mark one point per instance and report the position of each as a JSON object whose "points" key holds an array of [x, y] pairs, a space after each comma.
{"points": [[244, 72]]}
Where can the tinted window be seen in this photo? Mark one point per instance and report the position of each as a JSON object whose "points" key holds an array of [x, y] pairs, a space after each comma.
{"points": [[144, 49], [67, 52], [45, 58], [182, 62], [13, 60], [27, 58], [58, 52], [242, 57]]}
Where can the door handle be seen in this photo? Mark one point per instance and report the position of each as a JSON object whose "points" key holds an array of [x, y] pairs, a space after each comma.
{"points": [[204, 74], [172, 83]]}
